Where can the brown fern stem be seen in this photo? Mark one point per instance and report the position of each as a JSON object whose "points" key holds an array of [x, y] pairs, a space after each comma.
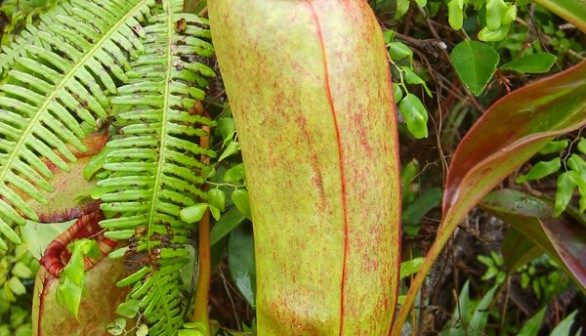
{"points": [[200, 313]]}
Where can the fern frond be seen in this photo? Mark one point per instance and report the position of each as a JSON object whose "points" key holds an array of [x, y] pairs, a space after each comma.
{"points": [[29, 36], [155, 165], [55, 92]]}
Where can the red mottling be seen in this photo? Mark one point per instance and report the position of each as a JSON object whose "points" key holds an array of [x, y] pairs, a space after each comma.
{"points": [[330, 98], [362, 131], [78, 211]]}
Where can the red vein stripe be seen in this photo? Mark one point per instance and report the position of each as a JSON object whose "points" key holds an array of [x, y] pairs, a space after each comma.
{"points": [[340, 160]]}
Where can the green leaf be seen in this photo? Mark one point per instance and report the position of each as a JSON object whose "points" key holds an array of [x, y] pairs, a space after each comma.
{"points": [[582, 145], [226, 129], [194, 213], [241, 262], [489, 35], [410, 267], [242, 202], [415, 115], [421, 3], [56, 91], [564, 327], [217, 198], [402, 8], [231, 149], [230, 220], [414, 213], [532, 326], [189, 332], [16, 286], [69, 295], [216, 213], [492, 150], [143, 330], [563, 238], [116, 327], [128, 308], [535, 63], [518, 250], [480, 316], [555, 146], [541, 170], [412, 78], [495, 10], [475, 63], [235, 174], [456, 14], [397, 93], [566, 184], [72, 283], [398, 51], [572, 11], [21, 270]]}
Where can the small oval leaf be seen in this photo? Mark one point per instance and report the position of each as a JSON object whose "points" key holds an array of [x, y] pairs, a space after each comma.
{"points": [[475, 63]]}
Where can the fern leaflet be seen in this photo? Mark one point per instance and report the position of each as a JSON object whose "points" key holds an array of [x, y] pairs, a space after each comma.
{"points": [[155, 165], [55, 92]]}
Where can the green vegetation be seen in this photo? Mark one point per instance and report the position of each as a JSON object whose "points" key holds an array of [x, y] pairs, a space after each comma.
{"points": [[118, 123]]}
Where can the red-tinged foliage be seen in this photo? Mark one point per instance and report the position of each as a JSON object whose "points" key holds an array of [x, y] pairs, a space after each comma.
{"points": [[508, 134], [563, 238]]}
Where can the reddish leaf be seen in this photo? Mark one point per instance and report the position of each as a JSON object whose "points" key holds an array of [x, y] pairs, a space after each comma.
{"points": [[508, 134], [563, 237], [309, 87]]}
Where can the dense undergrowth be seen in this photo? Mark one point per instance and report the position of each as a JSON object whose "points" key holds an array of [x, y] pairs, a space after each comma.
{"points": [[430, 47]]}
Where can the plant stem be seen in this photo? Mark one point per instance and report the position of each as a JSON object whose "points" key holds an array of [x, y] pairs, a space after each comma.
{"points": [[202, 295], [203, 281]]}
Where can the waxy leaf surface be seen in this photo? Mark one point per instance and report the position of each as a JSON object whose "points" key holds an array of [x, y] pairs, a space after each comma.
{"points": [[508, 134], [309, 88], [563, 237]]}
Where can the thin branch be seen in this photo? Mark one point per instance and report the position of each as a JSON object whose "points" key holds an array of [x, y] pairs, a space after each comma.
{"points": [[202, 294]]}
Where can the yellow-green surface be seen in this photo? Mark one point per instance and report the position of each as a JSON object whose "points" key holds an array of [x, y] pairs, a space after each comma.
{"points": [[97, 309], [309, 87]]}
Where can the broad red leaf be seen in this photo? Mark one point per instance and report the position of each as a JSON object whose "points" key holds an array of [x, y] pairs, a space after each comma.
{"points": [[508, 134], [309, 87], [563, 238]]}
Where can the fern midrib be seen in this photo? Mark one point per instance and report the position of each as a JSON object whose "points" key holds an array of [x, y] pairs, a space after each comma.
{"points": [[162, 142], [41, 111]]}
